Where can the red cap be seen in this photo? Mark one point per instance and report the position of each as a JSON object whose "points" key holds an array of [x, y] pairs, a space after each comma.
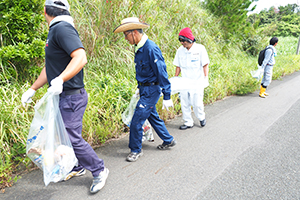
{"points": [[186, 32]]}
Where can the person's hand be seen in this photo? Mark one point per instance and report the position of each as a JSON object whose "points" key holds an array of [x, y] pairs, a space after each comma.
{"points": [[26, 97], [137, 93], [56, 86], [167, 104]]}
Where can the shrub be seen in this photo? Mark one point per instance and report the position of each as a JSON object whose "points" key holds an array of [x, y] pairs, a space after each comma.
{"points": [[22, 35]]}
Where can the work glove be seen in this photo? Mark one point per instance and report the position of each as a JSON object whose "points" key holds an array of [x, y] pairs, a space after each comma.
{"points": [[137, 93], [167, 104], [26, 97], [56, 86]]}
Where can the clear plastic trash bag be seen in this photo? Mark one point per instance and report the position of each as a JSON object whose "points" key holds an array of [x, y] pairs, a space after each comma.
{"points": [[48, 144], [257, 74], [127, 117]]}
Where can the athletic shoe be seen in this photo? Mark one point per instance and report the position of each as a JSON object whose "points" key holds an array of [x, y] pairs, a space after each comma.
{"points": [[75, 173], [133, 156], [203, 122], [184, 127], [164, 146], [99, 181]]}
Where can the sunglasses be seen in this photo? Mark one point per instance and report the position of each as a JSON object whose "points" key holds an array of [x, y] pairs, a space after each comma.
{"points": [[182, 40]]}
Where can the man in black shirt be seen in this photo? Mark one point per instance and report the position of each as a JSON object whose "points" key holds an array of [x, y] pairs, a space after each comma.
{"points": [[65, 58]]}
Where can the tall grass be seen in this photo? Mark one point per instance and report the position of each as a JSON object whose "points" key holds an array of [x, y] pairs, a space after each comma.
{"points": [[287, 61], [14, 125], [110, 74]]}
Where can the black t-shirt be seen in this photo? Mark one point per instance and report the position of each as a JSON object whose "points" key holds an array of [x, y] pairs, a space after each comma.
{"points": [[62, 40]]}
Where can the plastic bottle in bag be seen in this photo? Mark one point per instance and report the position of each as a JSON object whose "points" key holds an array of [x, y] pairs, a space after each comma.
{"points": [[48, 144]]}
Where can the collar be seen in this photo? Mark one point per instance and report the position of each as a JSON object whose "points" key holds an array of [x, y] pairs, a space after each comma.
{"points": [[141, 43], [65, 18], [273, 48]]}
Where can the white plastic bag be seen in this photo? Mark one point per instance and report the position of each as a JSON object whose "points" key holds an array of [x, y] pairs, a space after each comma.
{"points": [[48, 143], [127, 117], [257, 74], [179, 84], [147, 134]]}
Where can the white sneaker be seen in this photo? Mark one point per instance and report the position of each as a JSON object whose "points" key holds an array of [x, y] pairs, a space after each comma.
{"points": [[134, 156], [99, 181]]}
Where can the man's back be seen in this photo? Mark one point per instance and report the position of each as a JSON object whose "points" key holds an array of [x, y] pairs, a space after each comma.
{"points": [[62, 40]]}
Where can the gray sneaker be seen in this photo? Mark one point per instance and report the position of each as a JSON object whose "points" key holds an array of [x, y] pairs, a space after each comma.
{"points": [[134, 156], [99, 181], [164, 146]]}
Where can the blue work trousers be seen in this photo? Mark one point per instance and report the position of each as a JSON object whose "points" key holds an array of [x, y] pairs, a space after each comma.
{"points": [[146, 109], [72, 108]]}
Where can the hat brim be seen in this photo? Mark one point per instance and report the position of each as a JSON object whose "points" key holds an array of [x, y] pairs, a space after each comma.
{"points": [[130, 26]]}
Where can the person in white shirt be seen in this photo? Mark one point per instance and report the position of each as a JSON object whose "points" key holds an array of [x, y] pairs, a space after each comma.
{"points": [[192, 61]]}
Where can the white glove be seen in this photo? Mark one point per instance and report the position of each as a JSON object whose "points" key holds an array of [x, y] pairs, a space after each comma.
{"points": [[137, 93], [56, 86], [26, 97], [167, 104]]}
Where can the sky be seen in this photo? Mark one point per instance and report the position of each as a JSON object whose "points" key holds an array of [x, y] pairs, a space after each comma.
{"points": [[262, 4]]}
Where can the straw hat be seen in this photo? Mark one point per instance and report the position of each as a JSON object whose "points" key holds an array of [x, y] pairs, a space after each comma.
{"points": [[130, 23]]}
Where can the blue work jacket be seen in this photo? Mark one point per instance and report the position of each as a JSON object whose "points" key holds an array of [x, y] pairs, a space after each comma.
{"points": [[150, 67]]}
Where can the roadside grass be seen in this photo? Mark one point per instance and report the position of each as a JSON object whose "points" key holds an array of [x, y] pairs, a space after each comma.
{"points": [[287, 61], [14, 123], [110, 74]]}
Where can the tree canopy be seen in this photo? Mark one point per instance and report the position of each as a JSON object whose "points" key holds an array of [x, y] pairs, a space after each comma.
{"points": [[232, 13], [282, 21]]}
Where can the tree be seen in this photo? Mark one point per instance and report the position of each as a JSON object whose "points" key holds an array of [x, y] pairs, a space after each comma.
{"points": [[286, 22], [288, 9], [20, 21], [232, 13]]}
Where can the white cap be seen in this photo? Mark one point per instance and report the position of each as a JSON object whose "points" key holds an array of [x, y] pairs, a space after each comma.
{"points": [[62, 4]]}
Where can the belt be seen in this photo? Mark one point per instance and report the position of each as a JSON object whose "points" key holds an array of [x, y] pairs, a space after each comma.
{"points": [[71, 92], [148, 84]]}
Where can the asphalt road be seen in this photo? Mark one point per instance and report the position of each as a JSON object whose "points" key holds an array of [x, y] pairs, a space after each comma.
{"points": [[249, 149]]}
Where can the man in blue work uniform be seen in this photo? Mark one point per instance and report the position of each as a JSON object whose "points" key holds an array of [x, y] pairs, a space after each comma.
{"points": [[152, 78]]}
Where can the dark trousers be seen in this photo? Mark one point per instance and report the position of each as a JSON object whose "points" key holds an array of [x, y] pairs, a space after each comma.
{"points": [[72, 108], [146, 109]]}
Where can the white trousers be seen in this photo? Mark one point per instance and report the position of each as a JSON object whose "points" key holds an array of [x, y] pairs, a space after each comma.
{"points": [[194, 99]]}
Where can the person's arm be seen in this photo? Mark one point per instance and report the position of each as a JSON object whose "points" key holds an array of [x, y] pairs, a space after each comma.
{"points": [[268, 54], [178, 70], [205, 70], [159, 67], [76, 64], [40, 81], [204, 60]]}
